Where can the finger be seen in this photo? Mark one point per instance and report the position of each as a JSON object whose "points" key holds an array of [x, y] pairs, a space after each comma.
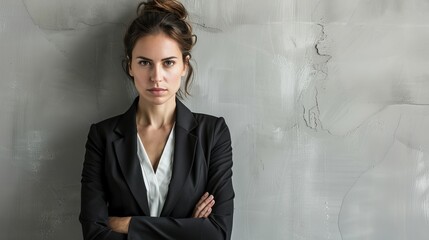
{"points": [[204, 197], [207, 214], [207, 200], [206, 210], [200, 208], [204, 202]]}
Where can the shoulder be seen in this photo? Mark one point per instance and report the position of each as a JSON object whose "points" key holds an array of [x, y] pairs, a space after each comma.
{"points": [[210, 127], [122, 123], [105, 129], [206, 120], [109, 123], [106, 125], [204, 124]]}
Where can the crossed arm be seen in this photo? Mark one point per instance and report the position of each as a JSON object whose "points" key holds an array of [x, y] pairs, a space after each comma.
{"points": [[202, 210]]}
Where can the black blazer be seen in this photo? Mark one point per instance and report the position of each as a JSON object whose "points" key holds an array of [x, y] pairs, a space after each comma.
{"points": [[112, 181]]}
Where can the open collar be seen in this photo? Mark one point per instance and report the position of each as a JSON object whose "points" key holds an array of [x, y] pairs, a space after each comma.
{"points": [[184, 153]]}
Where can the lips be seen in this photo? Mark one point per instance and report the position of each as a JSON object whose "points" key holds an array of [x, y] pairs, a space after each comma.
{"points": [[157, 91]]}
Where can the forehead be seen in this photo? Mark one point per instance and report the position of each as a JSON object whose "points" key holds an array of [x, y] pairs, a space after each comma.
{"points": [[156, 46]]}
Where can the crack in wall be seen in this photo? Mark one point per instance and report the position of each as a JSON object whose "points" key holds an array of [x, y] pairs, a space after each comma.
{"points": [[207, 28], [311, 115], [317, 46]]}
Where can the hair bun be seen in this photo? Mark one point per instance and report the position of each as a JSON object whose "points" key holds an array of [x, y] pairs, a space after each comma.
{"points": [[165, 6]]}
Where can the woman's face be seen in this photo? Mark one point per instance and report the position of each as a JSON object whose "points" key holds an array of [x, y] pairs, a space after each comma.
{"points": [[157, 67]]}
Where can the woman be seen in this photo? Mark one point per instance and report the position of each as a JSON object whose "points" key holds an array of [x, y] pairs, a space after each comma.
{"points": [[156, 171]]}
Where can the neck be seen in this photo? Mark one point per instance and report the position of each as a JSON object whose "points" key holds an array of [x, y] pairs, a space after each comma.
{"points": [[156, 116]]}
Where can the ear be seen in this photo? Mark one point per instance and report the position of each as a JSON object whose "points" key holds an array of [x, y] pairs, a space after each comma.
{"points": [[129, 66], [186, 65]]}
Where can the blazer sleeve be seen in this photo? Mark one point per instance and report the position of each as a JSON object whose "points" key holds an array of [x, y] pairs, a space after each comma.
{"points": [[219, 224], [94, 212]]}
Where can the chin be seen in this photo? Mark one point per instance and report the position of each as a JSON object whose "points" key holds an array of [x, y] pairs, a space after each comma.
{"points": [[157, 101]]}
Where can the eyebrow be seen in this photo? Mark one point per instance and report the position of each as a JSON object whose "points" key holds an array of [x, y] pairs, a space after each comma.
{"points": [[164, 59]]}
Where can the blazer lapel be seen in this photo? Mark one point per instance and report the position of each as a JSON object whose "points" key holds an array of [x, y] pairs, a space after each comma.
{"points": [[126, 153], [184, 153]]}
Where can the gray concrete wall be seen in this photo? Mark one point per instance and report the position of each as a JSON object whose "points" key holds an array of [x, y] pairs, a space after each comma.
{"points": [[327, 102]]}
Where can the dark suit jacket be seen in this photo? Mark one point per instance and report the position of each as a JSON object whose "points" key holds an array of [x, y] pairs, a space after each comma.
{"points": [[112, 182]]}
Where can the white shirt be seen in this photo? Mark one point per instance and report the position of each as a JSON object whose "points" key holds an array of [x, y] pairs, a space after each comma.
{"points": [[157, 183]]}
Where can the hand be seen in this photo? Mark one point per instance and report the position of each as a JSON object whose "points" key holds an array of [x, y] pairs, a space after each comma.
{"points": [[204, 206], [119, 224]]}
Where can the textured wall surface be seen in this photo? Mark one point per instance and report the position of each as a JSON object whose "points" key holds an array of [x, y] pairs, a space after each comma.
{"points": [[327, 102]]}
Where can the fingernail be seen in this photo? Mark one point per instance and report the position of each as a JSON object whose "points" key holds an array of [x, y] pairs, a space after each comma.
{"points": [[211, 197]]}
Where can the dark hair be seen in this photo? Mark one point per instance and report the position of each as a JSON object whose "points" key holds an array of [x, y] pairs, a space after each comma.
{"points": [[168, 17]]}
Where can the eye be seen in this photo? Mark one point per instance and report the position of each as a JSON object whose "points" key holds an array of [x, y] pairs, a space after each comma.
{"points": [[169, 63], [144, 63]]}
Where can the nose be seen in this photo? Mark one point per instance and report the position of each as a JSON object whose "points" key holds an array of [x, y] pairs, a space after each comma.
{"points": [[156, 74]]}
